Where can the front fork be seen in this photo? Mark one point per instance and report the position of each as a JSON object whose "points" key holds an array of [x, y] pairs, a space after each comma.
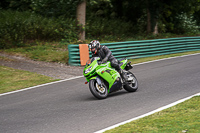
{"points": [[98, 79]]}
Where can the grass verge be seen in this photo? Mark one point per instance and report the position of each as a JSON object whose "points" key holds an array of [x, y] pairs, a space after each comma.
{"points": [[48, 52], [13, 79], [183, 117], [140, 60]]}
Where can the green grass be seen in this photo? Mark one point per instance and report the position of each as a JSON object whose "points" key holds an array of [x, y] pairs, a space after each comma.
{"points": [[135, 61], [183, 117], [55, 52], [13, 79], [52, 52]]}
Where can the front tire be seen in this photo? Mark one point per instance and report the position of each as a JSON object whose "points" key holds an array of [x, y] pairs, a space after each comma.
{"points": [[132, 84], [100, 92]]}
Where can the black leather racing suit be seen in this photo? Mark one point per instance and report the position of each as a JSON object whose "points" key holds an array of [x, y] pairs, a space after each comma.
{"points": [[104, 53]]}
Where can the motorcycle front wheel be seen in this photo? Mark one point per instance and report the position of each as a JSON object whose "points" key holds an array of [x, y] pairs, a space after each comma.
{"points": [[132, 84], [100, 92]]}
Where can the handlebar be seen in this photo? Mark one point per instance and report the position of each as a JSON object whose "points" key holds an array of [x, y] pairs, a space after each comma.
{"points": [[101, 62]]}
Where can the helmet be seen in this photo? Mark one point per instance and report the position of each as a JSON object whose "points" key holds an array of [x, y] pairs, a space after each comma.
{"points": [[94, 46]]}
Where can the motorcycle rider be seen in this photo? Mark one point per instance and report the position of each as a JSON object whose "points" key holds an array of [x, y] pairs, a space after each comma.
{"points": [[105, 55]]}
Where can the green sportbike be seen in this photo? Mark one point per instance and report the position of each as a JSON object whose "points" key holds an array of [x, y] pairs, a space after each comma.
{"points": [[103, 79]]}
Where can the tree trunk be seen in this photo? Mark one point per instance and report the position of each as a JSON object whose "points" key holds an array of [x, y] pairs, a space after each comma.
{"points": [[155, 32], [148, 21], [152, 20], [81, 16]]}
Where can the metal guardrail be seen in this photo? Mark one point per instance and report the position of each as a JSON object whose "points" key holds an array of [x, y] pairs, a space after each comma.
{"points": [[143, 48]]}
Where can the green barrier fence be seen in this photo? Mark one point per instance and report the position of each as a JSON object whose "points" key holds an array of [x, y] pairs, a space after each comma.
{"points": [[143, 48]]}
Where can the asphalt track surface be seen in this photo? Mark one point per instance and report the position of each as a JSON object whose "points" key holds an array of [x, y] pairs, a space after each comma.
{"points": [[69, 107]]}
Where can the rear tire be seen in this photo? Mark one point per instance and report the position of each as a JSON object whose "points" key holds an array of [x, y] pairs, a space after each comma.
{"points": [[131, 85], [97, 91]]}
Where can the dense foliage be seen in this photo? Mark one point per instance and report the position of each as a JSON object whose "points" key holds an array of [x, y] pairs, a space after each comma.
{"points": [[51, 8], [24, 21], [17, 28]]}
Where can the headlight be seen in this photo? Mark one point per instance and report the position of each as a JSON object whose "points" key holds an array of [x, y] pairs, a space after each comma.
{"points": [[88, 70]]}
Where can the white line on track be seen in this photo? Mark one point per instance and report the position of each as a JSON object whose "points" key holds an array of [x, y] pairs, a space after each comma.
{"points": [[147, 114], [82, 76], [165, 59], [40, 85]]}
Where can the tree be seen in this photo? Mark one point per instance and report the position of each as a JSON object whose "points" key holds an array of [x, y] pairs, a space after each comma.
{"points": [[173, 9], [153, 9], [168, 11], [4, 4], [81, 17]]}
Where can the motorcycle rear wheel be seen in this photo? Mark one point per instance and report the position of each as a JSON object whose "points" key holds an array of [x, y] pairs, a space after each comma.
{"points": [[100, 92], [132, 85]]}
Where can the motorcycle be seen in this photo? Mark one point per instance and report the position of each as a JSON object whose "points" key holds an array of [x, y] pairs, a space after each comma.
{"points": [[103, 79]]}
